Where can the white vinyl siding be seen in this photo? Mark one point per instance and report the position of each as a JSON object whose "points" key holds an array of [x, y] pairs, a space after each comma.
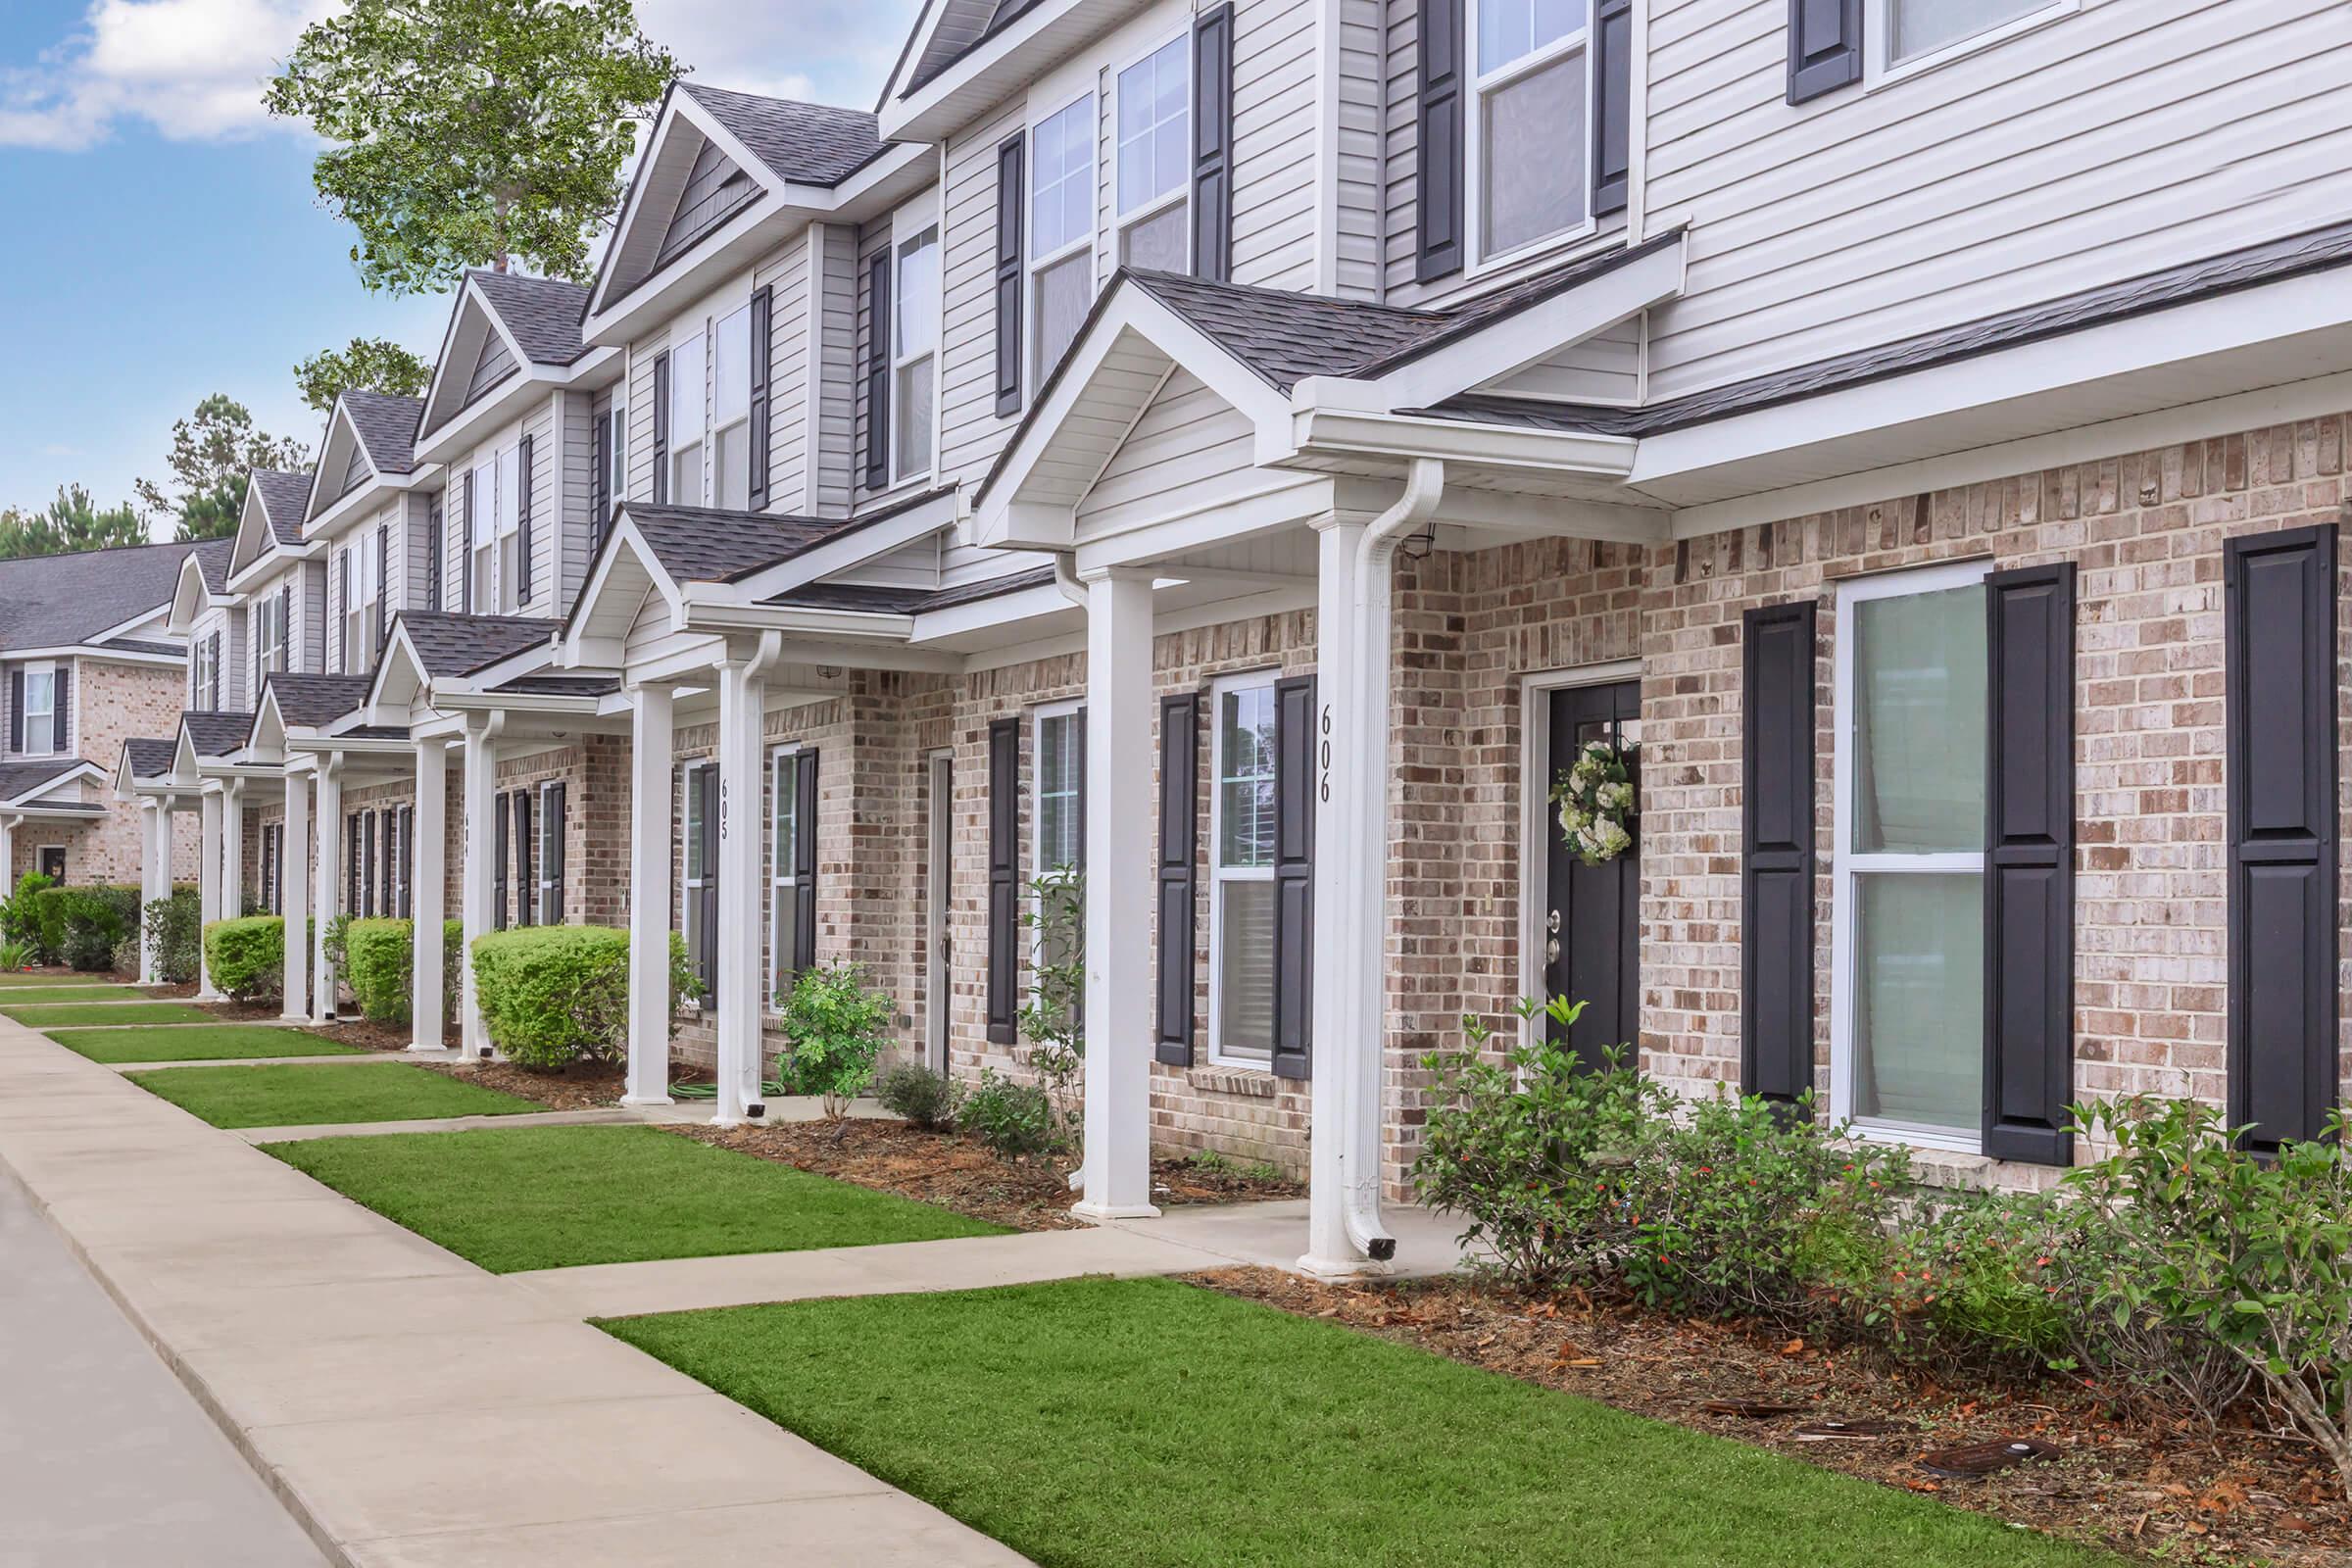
{"points": [[786, 278], [970, 433], [1276, 131]]}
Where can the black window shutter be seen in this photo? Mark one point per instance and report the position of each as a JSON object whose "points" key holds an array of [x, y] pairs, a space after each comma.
{"points": [[60, 709], [1004, 878], [466, 550], [877, 374], [497, 862], [600, 480], [2029, 865], [383, 585], [395, 884], [1776, 863], [2278, 593], [286, 626], [1213, 143], [661, 428], [407, 863], [1293, 875], [342, 611], [523, 524], [1179, 856], [1437, 148], [215, 695], [1825, 46], [351, 855], [15, 709], [706, 961], [1011, 205], [763, 353], [1612, 103], [803, 863], [432, 559], [526, 885]]}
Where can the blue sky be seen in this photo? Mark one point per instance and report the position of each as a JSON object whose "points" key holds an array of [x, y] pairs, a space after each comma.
{"points": [[164, 243]]}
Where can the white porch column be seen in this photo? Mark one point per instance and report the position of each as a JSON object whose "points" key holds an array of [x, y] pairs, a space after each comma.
{"points": [[232, 849], [430, 856], [207, 891], [741, 694], [650, 886], [482, 842], [294, 877], [154, 881], [1119, 897], [8, 856], [329, 876]]}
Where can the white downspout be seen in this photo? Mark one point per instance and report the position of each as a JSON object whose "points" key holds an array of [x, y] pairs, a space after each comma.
{"points": [[1363, 837]]}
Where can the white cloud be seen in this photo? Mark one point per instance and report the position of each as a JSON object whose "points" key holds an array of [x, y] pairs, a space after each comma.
{"points": [[833, 51], [192, 69]]}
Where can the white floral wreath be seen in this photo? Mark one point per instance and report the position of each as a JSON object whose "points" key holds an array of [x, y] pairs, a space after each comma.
{"points": [[1596, 798]]}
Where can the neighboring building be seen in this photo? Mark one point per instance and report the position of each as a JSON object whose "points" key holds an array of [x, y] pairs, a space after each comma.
{"points": [[1247, 451]]}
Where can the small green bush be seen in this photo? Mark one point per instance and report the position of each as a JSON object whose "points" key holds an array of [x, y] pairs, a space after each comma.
{"points": [[89, 921], [49, 923], [1011, 1118], [834, 1027], [925, 1096], [379, 957], [20, 919], [247, 956], [175, 925], [552, 995]]}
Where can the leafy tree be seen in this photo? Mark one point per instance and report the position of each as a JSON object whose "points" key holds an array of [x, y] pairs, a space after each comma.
{"points": [[376, 364], [212, 452], [472, 132], [73, 522]]}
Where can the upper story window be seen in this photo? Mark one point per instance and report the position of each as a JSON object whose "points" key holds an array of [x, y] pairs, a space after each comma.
{"points": [[914, 353], [1061, 228], [43, 729], [482, 535], [731, 411], [269, 634], [1155, 156], [361, 589], [203, 673], [508, 514], [1910, 33], [1527, 152], [688, 401]]}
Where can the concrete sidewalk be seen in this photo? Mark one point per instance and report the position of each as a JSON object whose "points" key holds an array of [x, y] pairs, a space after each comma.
{"points": [[411, 1410]]}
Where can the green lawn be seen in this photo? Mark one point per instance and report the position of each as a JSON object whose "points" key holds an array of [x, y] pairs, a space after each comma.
{"points": [[51, 977], [1144, 1422], [330, 1092], [68, 1016], [217, 1041], [555, 1197], [24, 996]]}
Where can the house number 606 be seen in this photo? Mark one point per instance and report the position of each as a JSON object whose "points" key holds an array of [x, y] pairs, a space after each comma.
{"points": [[1323, 757]]}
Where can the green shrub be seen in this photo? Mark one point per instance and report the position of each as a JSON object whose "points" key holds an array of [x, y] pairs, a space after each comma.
{"points": [[247, 956], [91, 922], [552, 995], [834, 1027], [334, 947], [1011, 1118], [175, 925], [922, 1094], [15, 955], [379, 958], [20, 915], [49, 923]]}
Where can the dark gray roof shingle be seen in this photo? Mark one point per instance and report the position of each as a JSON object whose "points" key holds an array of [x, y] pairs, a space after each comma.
{"points": [[285, 501], [18, 779], [387, 427], [214, 733], [909, 600], [308, 701], [149, 758], [562, 685], [451, 645], [56, 601], [813, 144], [700, 544], [139, 645], [543, 312]]}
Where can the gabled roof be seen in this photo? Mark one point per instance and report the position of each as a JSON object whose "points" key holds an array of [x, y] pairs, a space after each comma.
{"points": [[309, 700], [542, 313], [214, 733], [946, 48], [285, 499], [451, 645], [809, 144], [20, 779], [700, 544], [149, 758], [59, 601], [386, 426]]}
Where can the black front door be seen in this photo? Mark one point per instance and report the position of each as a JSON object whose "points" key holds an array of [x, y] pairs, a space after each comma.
{"points": [[1591, 913]]}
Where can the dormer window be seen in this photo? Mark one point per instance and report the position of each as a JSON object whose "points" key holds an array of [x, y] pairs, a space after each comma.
{"points": [[688, 394], [1061, 228], [731, 413], [914, 353], [1527, 155], [1154, 158]]}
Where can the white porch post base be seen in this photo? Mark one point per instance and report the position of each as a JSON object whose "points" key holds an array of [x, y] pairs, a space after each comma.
{"points": [[326, 870], [1119, 898], [154, 882], [481, 775], [294, 874], [208, 891], [650, 758], [430, 855], [741, 700]]}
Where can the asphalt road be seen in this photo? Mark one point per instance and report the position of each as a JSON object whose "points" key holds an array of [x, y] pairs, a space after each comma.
{"points": [[104, 1458]]}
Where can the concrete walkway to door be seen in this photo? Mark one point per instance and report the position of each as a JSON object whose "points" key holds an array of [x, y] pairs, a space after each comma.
{"points": [[411, 1410]]}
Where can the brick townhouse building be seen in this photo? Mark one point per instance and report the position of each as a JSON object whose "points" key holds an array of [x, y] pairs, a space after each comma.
{"points": [[1252, 451]]}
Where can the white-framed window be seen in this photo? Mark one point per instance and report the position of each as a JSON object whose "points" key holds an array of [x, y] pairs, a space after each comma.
{"points": [[784, 883], [359, 616], [617, 457], [689, 406], [548, 863], [269, 649], [1060, 789], [1531, 83], [201, 658], [1906, 36], [731, 411], [510, 533], [42, 729], [1907, 1030], [481, 530], [914, 353], [1241, 870], [1062, 231], [1154, 126]]}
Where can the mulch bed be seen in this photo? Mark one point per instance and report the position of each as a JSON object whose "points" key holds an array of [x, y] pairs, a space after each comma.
{"points": [[964, 1174], [583, 1086], [2140, 1486]]}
